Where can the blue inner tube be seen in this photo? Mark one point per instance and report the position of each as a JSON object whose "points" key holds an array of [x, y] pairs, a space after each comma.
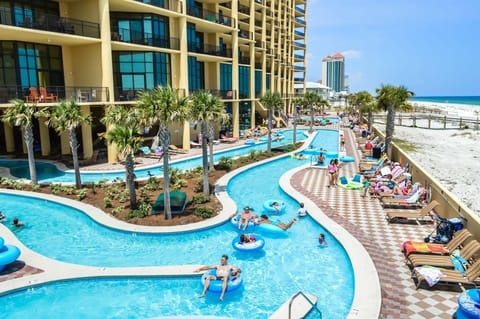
{"points": [[8, 254], [271, 229], [252, 246], [469, 304], [216, 285], [234, 222], [267, 206], [347, 159]]}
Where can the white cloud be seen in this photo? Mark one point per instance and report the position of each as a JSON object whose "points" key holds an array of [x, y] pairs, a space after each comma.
{"points": [[352, 54]]}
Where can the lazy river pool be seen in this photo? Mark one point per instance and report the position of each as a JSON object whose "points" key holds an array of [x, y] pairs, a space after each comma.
{"points": [[285, 266]]}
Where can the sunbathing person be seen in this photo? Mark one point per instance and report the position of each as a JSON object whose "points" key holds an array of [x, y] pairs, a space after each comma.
{"points": [[265, 220], [223, 272]]}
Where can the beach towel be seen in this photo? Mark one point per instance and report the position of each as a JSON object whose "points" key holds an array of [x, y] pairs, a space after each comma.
{"points": [[409, 247], [432, 275]]}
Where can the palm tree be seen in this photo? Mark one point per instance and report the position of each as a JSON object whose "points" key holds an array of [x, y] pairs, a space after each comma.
{"points": [[311, 100], [163, 105], [21, 114], [362, 100], [272, 101], [126, 137], [322, 104], [391, 98], [207, 108], [66, 116]]}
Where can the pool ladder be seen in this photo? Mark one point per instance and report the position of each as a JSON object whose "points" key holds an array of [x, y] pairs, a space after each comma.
{"points": [[314, 305]]}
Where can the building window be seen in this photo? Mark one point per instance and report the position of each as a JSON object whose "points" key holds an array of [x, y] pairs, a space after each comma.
{"points": [[225, 77], [267, 81], [258, 83], [145, 29], [196, 73], [244, 81], [134, 71], [30, 65]]}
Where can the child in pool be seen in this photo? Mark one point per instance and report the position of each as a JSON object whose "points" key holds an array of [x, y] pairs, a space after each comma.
{"points": [[321, 240]]}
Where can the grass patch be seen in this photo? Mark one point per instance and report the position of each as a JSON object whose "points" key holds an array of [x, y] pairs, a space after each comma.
{"points": [[405, 145]]}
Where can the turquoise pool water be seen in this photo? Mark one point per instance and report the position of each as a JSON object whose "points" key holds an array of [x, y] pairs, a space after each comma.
{"points": [[286, 265], [48, 173]]}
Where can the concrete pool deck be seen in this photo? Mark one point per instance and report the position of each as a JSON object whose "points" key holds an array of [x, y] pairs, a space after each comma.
{"points": [[362, 218]]}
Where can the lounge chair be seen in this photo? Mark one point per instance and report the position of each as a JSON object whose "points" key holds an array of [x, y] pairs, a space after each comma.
{"points": [[467, 253], [453, 277], [410, 202], [47, 97], [459, 239], [178, 201], [174, 149], [416, 214]]}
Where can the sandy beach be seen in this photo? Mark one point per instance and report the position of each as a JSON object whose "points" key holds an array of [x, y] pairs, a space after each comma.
{"points": [[450, 155]]}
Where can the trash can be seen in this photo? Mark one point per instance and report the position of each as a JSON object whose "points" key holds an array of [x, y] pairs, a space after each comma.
{"points": [[377, 152]]}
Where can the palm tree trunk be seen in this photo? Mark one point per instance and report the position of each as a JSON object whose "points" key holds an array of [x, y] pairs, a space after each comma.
{"points": [[269, 144], [311, 119], [390, 126], [165, 142], [210, 145], [206, 185], [28, 135], [130, 181], [76, 166]]}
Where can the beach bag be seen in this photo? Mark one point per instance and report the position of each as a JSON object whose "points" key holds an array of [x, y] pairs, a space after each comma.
{"points": [[445, 230]]}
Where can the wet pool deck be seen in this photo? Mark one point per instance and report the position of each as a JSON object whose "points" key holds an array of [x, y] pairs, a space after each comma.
{"points": [[362, 217]]}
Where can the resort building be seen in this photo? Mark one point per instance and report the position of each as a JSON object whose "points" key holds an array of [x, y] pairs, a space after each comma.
{"points": [[322, 90], [333, 72], [103, 52]]}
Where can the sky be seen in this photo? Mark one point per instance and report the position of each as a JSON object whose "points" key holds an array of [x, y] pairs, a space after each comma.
{"points": [[432, 47]]}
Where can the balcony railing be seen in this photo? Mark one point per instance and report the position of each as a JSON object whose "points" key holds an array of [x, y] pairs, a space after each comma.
{"points": [[298, 56], [210, 16], [244, 60], [224, 94], [299, 79], [211, 50], [299, 44], [172, 5], [298, 9], [53, 94], [300, 33], [299, 68], [48, 22], [300, 20], [245, 34], [243, 9], [126, 94], [144, 38]]}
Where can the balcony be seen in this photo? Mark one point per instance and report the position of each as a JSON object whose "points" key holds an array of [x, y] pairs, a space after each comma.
{"points": [[244, 60], [243, 9], [299, 44], [143, 38], [48, 22], [210, 16], [79, 94], [172, 5], [298, 68], [299, 79], [300, 20], [224, 94], [300, 10], [300, 33], [211, 50], [245, 34], [298, 56]]}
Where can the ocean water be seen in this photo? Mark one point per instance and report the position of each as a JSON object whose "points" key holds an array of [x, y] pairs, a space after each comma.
{"points": [[465, 100]]}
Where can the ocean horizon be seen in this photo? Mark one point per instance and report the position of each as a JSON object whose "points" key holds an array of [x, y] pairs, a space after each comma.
{"points": [[465, 100]]}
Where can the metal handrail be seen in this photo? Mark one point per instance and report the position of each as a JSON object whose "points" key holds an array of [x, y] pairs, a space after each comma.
{"points": [[314, 305]]}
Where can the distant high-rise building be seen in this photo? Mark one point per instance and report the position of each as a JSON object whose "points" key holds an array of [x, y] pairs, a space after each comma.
{"points": [[333, 72]]}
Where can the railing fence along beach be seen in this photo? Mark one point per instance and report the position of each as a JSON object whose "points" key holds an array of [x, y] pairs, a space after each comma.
{"points": [[450, 206], [426, 120]]}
